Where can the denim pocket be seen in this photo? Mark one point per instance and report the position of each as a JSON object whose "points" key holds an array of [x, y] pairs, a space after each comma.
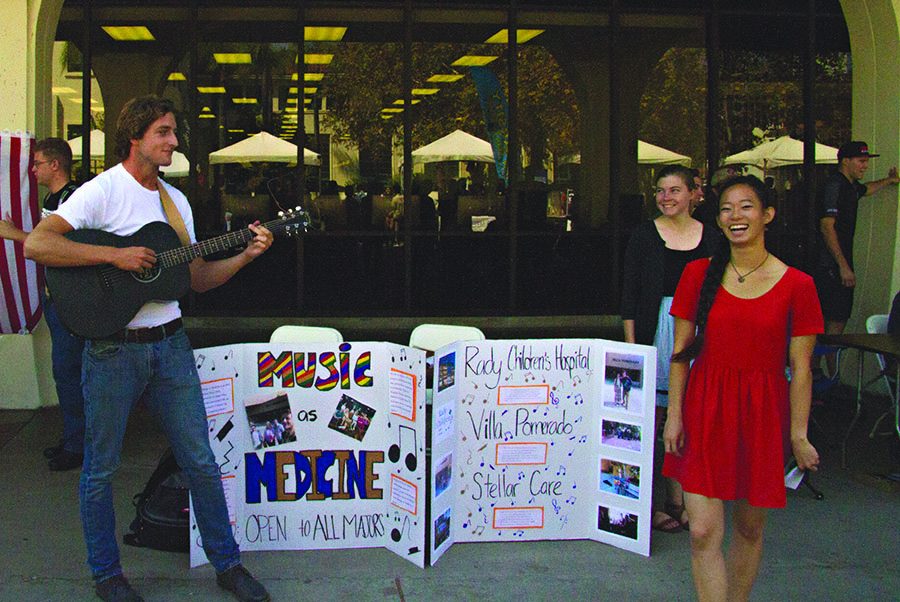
{"points": [[102, 350], [180, 342]]}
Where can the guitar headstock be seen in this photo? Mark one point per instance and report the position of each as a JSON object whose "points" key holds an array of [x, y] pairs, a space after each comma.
{"points": [[293, 221]]}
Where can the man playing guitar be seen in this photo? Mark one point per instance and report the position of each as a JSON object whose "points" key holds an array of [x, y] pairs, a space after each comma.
{"points": [[151, 358]]}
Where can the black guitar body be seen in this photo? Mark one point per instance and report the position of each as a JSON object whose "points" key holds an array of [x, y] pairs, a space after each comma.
{"points": [[96, 301]]}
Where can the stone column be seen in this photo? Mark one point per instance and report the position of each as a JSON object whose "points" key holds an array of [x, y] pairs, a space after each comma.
{"points": [[874, 27], [27, 30]]}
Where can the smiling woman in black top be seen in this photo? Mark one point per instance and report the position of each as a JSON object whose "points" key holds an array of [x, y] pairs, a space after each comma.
{"points": [[655, 257]]}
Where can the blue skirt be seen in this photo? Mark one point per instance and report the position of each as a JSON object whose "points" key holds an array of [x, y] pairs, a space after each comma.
{"points": [[664, 341]]}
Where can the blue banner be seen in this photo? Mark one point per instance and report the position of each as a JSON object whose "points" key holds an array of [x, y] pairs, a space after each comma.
{"points": [[496, 115]]}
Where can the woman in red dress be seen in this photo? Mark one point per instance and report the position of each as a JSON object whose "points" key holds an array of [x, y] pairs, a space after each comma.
{"points": [[733, 417]]}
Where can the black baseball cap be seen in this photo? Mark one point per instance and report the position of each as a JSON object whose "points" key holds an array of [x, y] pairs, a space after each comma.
{"points": [[856, 148]]}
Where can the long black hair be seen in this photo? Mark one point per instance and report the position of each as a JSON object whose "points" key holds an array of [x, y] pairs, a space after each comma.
{"points": [[716, 270]]}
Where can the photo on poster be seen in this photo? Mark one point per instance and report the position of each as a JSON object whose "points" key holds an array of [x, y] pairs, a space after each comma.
{"points": [[443, 475], [620, 478], [446, 371], [618, 522], [623, 381], [621, 434], [351, 418], [270, 420], [441, 528]]}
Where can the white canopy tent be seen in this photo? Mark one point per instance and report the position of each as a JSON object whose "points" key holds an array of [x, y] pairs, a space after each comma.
{"points": [[455, 146], [262, 147], [648, 154], [179, 168], [98, 145], [779, 152]]}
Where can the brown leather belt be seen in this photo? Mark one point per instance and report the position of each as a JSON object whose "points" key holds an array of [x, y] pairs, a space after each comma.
{"points": [[146, 335]]}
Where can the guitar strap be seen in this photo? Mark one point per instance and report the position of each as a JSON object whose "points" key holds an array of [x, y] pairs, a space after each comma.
{"points": [[173, 216]]}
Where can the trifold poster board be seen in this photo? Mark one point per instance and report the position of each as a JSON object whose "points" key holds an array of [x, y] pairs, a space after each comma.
{"points": [[542, 439], [320, 446]]}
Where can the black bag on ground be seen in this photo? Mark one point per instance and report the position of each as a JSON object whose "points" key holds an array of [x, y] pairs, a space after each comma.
{"points": [[163, 512]]}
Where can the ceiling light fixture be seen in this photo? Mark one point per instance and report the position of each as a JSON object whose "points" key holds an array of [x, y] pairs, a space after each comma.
{"points": [[324, 34], [232, 58], [473, 60], [317, 59], [522, 36], [128, 33], [445, 78]]}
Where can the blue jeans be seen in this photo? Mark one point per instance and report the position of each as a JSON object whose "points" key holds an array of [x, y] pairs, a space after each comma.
{"points": [[164, 375], [66, 357]]}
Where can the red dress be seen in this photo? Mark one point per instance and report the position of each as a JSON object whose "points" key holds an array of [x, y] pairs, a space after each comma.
{"points": [[736, 412]]}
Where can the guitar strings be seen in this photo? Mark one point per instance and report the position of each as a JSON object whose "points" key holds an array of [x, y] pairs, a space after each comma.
{"points": [[165, 259]]}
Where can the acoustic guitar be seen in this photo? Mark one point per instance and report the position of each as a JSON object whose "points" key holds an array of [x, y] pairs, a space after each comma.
{"points": [[97, 301]]}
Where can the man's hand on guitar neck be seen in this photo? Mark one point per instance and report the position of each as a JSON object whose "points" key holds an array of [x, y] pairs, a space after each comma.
{"points": [[207, 275], [260, 243]]}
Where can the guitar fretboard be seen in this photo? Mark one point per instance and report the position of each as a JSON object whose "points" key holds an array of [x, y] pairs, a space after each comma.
{"points": [[173, 257]]}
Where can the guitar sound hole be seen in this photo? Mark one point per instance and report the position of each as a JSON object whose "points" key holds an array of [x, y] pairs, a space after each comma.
{"points": [[148, 275]]}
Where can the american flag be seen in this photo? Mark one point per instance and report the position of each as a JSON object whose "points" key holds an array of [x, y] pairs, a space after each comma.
{"points": [[21, 280]]}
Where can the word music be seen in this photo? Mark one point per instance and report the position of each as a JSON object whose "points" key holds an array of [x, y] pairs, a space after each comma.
{"points": [[306, 470], [300, 369]]}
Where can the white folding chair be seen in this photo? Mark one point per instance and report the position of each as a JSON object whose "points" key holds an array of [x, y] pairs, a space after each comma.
{"points": [[291, 333], [877, 324], [431, 337]]}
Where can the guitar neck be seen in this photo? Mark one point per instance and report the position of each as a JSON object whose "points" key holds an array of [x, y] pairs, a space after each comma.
{"points": [[186, 254]]}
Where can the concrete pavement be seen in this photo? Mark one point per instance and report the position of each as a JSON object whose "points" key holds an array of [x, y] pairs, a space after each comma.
{"points": [[842, 548]]}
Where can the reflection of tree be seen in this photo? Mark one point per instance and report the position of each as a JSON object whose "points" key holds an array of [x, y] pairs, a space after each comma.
{"points": [[364, 78], [758, 89], [673, 106], [549, 116]]}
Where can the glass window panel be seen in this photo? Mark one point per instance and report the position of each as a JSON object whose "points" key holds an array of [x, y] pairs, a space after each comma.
{"points": [[762, 101], [672, 118], [68, 105]]}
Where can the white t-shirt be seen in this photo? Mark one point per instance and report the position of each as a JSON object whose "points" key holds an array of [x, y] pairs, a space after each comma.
{"points": [[115, 202]]}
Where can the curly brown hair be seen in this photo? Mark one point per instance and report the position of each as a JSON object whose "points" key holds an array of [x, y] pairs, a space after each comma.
{"points": [[136, 116]]}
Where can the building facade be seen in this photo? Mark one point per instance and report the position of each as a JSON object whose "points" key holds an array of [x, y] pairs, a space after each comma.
{"points": [[585, 79]]}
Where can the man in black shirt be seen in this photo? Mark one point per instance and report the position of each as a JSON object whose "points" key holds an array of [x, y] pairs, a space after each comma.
{"points": [[51, 166], [837, 202]]}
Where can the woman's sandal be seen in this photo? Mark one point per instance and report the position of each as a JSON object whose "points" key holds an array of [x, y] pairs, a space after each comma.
{"points": [[665, 523], [677, 511]]}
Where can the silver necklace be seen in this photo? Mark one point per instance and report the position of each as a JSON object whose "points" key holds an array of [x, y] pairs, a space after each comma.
{"points": [[742, 277]]}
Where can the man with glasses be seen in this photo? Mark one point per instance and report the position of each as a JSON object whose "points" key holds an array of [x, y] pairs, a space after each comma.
{"points": [[51, 166]]}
